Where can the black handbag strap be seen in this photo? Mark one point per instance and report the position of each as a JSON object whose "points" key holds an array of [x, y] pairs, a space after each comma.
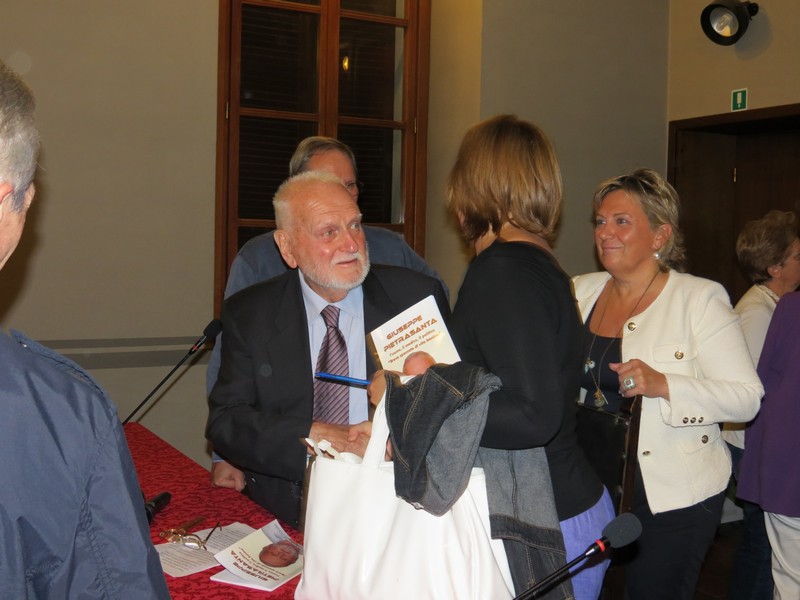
{"points": [[631, 411]]}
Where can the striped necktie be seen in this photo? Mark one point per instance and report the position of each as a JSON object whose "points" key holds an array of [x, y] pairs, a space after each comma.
{"points": [[332, 400]]}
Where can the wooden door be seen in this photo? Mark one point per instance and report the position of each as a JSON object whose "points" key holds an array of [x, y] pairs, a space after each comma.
{"points": [[730, 169]]}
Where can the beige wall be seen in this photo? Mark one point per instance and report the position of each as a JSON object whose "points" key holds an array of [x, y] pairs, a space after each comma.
{"points": [[455, 99], [702, 74], [119, 243], [126, 108], [588, 73]]}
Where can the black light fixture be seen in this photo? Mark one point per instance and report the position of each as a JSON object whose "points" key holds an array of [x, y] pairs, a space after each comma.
{"points": [[725, 21]]}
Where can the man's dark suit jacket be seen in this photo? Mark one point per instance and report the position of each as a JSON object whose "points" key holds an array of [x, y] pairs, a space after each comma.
{"points": [[261, 404]]}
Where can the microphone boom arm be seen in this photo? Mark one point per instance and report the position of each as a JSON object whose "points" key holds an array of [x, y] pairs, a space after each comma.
{"points": [[621, 531], [556, 576], [211, 331]]}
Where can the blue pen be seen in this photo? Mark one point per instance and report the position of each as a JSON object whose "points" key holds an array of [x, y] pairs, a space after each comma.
{"points": [[342, 379]]}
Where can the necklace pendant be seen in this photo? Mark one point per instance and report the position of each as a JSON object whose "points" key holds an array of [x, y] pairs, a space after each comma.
{"points": [[588, 365], [599, 399]]}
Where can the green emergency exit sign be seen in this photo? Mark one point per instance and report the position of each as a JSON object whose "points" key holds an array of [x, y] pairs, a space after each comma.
{"points": [[739, 100]]}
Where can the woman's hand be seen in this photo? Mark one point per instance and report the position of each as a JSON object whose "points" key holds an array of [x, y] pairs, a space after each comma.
{"points": [[375, 391], [377, 387], [637, 377], [415, 364]]}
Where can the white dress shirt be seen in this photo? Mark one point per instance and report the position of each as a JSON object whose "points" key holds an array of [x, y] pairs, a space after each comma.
{"points": [[351, 324]]}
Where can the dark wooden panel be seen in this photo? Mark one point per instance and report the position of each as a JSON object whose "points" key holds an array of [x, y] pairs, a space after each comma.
{"points": [[767, 177], [730, 169], [704, 181]]}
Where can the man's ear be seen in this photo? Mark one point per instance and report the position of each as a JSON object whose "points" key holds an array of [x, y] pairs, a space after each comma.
{"points": [[29, 194], [283, 241], [6, 199]]}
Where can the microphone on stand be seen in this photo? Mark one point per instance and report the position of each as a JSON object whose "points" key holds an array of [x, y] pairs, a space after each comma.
{"points": [[211, 331], [623, 530]]}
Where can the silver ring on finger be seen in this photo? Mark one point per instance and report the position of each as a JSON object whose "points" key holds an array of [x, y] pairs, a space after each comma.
{"points": [[629, 383]]}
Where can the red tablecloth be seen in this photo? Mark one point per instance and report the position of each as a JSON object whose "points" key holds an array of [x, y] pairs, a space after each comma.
{"points": [[162, 468]]}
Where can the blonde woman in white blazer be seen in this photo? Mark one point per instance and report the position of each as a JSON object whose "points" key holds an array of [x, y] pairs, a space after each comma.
{"points": [[674, 339]]}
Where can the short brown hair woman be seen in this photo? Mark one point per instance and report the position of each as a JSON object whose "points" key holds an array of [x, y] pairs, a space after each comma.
{"points": [[516, 317]]}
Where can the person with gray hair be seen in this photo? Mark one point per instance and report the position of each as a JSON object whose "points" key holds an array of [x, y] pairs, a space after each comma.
{"points": [[19, 139], [260, 260], [318, 144], [72, 518]]}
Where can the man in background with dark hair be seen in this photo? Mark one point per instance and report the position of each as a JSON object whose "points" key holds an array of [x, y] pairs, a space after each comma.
{"points": [[72, 519]]}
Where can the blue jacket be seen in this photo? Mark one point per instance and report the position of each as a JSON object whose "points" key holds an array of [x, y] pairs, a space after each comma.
{"points": [[72, 519]]}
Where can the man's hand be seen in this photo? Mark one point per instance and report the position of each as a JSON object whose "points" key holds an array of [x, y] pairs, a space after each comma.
{"points": [[358, 438], [224, 474], [344, 438]]}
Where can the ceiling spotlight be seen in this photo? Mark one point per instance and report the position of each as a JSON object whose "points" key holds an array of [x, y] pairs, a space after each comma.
{"points": [[725, 21]]}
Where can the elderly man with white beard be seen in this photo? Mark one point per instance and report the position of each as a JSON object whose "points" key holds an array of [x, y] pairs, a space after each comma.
{"points": [[279, 332]]}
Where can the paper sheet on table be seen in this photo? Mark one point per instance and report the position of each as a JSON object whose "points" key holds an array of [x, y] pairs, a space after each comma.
{"points": [[242, 559], [178, 560]]}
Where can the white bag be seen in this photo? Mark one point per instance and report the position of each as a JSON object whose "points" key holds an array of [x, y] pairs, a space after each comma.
{"points": [[363, 542]]}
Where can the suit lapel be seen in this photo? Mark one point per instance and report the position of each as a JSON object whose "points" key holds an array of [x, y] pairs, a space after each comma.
{"points": [[379, 307], [291, 339]]}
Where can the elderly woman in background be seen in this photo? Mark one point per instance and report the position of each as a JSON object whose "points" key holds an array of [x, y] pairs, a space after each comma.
{"points": [[768, 250], [516, 317], [673, 339]]}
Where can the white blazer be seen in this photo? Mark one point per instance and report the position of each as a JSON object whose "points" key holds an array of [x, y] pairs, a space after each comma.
{"points": [[691, 335]]}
